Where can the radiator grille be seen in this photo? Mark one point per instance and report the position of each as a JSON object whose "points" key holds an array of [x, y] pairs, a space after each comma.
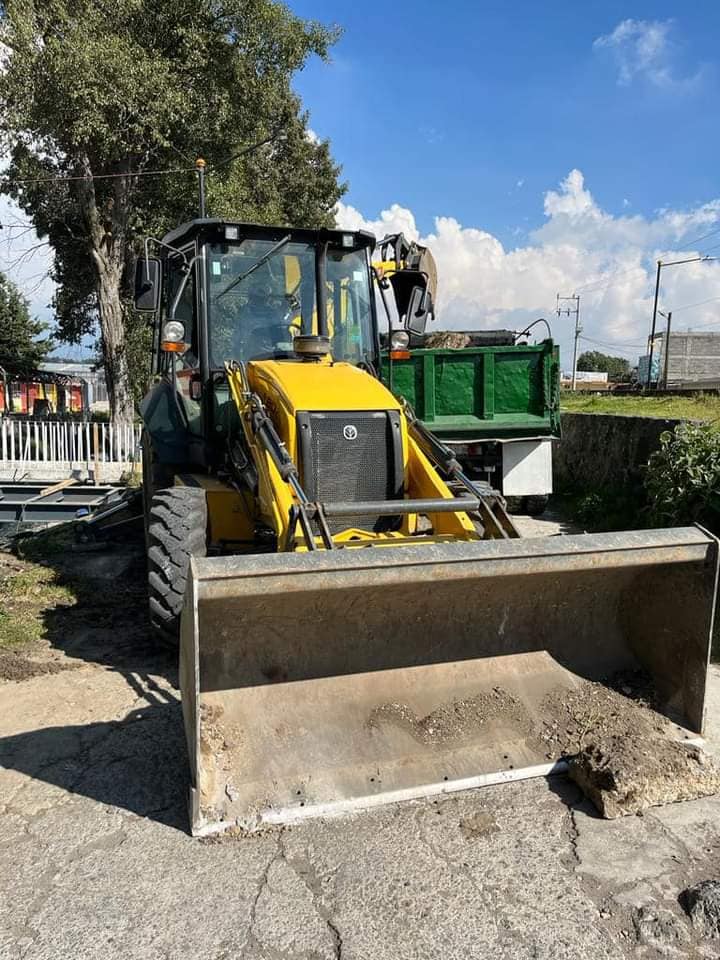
{"points": [[349, 457]]}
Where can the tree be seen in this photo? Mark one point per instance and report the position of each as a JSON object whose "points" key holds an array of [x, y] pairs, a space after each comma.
{"points": [[615, 367], [22, 346], [108, 91]]}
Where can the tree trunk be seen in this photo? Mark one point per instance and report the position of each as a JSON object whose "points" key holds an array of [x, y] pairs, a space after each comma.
{"points": [[112, 329], [106, 242]]}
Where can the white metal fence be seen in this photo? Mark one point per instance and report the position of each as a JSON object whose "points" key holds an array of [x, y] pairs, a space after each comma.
{"points": [[67, 441]]}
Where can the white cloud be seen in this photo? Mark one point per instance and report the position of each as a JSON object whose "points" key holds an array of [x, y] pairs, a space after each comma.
{"points": [[644, 50], [609, 261], [312, 136]]}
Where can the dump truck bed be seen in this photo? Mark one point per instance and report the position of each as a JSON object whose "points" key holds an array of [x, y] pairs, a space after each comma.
{"points": [[481, 392]]}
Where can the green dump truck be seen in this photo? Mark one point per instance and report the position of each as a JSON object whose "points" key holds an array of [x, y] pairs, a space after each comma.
{"points": [[492, 397], [496, 406]]}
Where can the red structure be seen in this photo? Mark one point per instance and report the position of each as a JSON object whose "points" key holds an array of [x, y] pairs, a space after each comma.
{"points": [[41, 395]]}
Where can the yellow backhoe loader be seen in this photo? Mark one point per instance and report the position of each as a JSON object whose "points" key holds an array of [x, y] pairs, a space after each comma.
{"points": [[358, 622]]}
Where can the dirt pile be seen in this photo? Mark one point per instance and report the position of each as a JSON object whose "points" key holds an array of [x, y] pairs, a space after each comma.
{"points": [[447, 339], [623, 705], [627, 774], [458, 720], [16, 666]]}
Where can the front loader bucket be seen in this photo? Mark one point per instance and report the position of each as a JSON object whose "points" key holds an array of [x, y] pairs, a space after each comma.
{"points": [[324, 682]]}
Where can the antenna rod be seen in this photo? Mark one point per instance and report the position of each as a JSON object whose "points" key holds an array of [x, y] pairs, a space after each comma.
{"points": [[200, 167]]}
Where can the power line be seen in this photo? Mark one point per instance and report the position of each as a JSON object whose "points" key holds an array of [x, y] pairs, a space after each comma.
{"points": [[706, 323], [151, 173], [704, 237], [602, 281], [700, 303], [99, 176], [617, 345]]}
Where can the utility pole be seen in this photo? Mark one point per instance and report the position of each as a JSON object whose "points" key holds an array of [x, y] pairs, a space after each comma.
{"points": [[654, 321], [668, 317], [569, 312]]}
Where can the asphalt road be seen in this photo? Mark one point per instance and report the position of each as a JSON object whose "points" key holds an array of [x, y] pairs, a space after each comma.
{"points": [[96, 860]]}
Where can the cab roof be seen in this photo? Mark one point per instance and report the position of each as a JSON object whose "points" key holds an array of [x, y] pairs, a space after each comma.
{"points": [[213, 229]]}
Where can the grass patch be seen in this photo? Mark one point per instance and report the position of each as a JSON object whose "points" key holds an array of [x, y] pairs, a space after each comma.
{"points": [[700, 407], [27, 590]]}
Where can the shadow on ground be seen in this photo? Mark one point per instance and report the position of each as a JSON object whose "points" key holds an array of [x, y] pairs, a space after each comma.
{"points": [[139, 762]]}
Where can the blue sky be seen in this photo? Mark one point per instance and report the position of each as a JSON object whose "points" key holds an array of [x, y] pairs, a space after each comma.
{"points": [[450, 107], [537, 149]]}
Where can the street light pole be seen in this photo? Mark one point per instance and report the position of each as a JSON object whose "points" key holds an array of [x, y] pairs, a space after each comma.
{"points": [[660, 265]]}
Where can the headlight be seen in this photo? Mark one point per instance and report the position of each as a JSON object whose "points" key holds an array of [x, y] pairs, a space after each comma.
{"points": [[173, 337], [173, 332], [399, 340]]}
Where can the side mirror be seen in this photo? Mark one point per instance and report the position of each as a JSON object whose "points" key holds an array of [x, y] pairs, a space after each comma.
{"points": [[148, 284], [420, 308]]}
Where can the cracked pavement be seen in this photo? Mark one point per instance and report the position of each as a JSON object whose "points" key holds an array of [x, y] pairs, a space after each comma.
{"points": [[96, 860]]}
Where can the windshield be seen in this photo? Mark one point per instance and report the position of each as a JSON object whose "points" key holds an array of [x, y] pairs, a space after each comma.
{"points": [[255, 308]]}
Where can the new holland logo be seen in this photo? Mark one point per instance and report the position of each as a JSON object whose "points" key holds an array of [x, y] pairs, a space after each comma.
{"points": [[350, 431]]}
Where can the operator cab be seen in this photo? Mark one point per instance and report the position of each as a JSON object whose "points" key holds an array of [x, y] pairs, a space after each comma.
{"points": [[222, 292]]}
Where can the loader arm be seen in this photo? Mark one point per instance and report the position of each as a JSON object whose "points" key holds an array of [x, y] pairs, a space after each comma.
{"points": [[287, 508]]}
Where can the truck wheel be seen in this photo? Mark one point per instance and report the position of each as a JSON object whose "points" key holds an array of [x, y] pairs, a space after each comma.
{"points": [[514, 504], [176, 531], [535, 506]]}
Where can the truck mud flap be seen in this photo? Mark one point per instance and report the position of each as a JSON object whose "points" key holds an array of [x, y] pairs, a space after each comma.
{"points": [[315, 684]]}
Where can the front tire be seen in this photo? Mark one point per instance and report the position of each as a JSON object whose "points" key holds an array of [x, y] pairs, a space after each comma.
{"points": [[176, 531]]}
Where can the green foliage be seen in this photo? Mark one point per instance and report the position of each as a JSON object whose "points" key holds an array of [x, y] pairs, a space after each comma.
{"points": [[126, 87], [682, 480], [615, 367], [612, 508], [22, 346], [138, 344]]}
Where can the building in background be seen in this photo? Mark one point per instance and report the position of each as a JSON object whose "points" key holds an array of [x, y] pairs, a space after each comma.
{"points": [[89, 374], [688, 359], [585, 380], [56, 389]]}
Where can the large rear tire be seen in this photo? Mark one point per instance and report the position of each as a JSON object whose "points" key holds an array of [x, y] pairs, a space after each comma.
{"points": [[155, 476], [176, 531], [535, 506], [514, 504]]}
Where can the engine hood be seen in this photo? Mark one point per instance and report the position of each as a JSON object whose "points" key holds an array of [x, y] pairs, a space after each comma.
{"points": [[300, 385]]}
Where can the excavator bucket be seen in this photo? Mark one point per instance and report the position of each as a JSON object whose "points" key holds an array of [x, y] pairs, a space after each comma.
{"points": [[325, 682]]}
